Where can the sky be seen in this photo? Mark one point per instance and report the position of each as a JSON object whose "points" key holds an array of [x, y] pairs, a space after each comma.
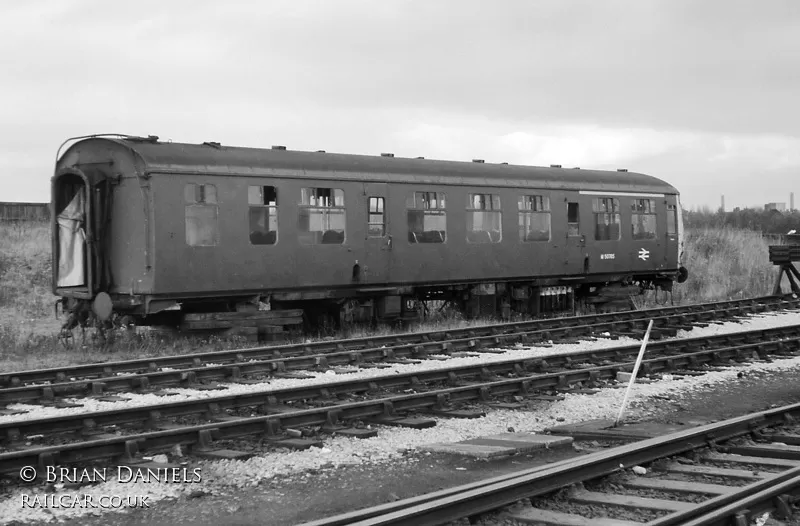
{"points": [[702, 94]]}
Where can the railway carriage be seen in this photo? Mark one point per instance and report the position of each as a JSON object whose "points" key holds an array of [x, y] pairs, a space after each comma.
{"points": [[154, 230]]}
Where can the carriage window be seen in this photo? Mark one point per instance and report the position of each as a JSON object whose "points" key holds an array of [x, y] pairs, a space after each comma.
{"points": [[427, 219], [322, 216], [201, 215], [263, 201], [573, 220], [672, 220], [484, 218], [643, 218], [606, 218], [534, 217], [377, 222]]}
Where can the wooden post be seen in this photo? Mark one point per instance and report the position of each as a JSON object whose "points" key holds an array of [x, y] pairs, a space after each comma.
{"points": [[633, 375]]}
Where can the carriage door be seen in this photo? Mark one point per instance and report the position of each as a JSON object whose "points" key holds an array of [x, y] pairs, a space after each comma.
{"points": [[72, 223], [575, 263], [673, 241], [378, 241]]}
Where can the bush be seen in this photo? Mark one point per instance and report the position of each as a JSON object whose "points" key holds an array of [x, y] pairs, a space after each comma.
{"points": [[726, 263]]}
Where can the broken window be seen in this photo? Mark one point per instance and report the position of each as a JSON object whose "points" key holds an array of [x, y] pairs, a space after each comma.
{"points": [[573, 220], [322, 216], [263, 203]]}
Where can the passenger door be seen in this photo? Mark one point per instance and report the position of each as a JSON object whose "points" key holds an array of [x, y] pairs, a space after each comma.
{"points": [[575, 243], [673, 241], [375, 267]]}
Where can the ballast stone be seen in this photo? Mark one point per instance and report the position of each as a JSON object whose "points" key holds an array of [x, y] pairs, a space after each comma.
{"points": [[500, 445], [624, 377]]}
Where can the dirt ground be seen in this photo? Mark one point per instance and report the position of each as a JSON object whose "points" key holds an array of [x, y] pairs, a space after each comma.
{"points": [[316, 495]]}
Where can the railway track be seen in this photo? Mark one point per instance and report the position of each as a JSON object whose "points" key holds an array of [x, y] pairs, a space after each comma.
{"points": [[257, 363], [82, 437], [750, 476]]}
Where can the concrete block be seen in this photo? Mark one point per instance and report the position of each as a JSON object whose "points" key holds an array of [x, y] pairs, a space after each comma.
{"points": [[470, 450], [504, 444], [522, 441]]}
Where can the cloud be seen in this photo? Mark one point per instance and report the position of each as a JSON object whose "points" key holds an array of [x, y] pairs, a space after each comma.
{"points": [[700, 93]]}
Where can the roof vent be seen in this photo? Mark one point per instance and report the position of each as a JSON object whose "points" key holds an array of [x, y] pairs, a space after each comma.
{"points": [[555, 166], [212, 144], [279, 147], [622, 169], [320, 151], [149, 138], [387, 155], [477, 160]]}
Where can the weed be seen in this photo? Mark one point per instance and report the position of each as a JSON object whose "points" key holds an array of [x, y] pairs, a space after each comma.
{"points": [[723, 263]]}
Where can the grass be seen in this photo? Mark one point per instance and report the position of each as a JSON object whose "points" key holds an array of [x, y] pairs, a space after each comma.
{"points": [[25, 264], [727, 263], [723, 264]]}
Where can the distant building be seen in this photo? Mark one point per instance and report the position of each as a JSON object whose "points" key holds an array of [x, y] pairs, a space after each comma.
{"points": [[13, 212], [780, 207]]}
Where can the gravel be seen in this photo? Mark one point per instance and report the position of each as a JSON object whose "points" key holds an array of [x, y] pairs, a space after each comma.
{"points": [[392, 444], [138, 400]]}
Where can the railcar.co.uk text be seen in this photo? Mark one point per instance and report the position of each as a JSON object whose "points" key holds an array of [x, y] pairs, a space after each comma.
{"points": [[121, 474]]}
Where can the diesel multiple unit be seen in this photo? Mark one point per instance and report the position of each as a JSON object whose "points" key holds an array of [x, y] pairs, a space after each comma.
{"points": [[154, 230]]}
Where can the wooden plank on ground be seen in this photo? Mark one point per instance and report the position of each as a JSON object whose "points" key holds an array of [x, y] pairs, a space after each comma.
{"points": [[712, 471], [744, 459], [629, 501], [538, 516], [224, 324], [768, 450], [792, 440], [679, 486], [259, 315]]}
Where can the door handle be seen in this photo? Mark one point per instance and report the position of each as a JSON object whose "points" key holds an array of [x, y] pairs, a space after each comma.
{"points": [[389, 242]]}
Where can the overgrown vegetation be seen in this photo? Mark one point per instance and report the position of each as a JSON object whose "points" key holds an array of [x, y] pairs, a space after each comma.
{"points": [[25, 269], [724, 263], [763, 221]]}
